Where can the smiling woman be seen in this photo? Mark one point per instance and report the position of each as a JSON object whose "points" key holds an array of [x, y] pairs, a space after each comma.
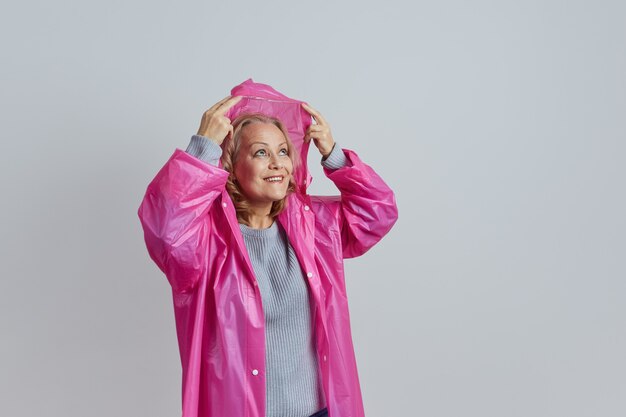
{"points": [[256, 264]]}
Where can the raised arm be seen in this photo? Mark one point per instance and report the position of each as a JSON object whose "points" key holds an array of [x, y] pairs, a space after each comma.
{"points": [[366, 208], [174, 210]]}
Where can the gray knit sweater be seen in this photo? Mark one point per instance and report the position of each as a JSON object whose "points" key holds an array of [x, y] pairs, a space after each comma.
{"points": [[292, 375]]}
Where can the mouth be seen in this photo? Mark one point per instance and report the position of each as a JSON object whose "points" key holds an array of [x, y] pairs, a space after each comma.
{"points": [[275, 178]]}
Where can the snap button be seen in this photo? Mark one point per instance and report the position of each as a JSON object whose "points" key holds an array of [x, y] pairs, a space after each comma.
{"points": [[306, 208], [224, 204], [324, 358], [309, 274], [255, 372]]}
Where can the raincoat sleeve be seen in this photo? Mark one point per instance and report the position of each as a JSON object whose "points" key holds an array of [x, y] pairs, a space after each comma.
{"points": [[174, 216], [367, 206]]}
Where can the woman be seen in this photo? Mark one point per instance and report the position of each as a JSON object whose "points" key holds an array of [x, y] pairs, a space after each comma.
{"points": [[256, 266]]}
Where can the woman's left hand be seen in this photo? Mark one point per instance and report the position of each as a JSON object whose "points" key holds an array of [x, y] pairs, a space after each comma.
{"points": [[319, 132]]}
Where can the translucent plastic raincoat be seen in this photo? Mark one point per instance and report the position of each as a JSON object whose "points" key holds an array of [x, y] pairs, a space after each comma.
{"points": [[192, 234]]}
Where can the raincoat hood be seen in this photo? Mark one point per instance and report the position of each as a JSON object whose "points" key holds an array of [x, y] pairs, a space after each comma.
{"points": [[261, 98]]}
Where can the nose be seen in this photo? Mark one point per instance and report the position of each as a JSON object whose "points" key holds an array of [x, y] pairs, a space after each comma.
{"points": [[275, 162]]}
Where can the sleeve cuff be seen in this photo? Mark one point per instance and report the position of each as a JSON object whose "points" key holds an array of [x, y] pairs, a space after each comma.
{"points": [[205, 149], [336, 159]]}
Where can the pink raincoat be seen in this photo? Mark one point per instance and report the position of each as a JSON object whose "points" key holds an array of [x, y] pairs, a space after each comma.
{"points": [[192, 234]]}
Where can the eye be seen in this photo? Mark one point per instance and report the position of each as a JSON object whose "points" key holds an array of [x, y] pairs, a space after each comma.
{"points": [[283, 152], [260, 152]]}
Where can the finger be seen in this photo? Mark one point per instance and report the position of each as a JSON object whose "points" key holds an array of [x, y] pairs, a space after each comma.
{"points": [[319, 119], [317, 128], [313, 136], [310, 110], [228, 104], [219, 103]]}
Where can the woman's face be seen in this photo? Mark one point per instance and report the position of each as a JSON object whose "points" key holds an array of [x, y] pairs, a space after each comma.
{"points": [[263, 167]]}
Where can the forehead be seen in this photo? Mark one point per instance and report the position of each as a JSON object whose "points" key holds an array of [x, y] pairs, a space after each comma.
{"points": [[262, 132]]}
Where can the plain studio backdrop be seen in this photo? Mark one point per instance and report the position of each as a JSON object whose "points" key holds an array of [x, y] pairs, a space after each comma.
{"points": [[500, 125]]}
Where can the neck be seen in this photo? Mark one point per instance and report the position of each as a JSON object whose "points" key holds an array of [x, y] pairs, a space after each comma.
{"points": [[259, 218]]}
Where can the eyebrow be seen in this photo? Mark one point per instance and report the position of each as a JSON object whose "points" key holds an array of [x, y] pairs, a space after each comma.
{"points": [[264, 143]]}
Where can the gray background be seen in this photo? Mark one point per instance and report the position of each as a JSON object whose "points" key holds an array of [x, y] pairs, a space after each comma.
{"points": [[499, 124]]}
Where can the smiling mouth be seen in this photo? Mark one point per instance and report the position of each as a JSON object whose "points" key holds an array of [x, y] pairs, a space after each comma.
{"points": [[276, 178]]}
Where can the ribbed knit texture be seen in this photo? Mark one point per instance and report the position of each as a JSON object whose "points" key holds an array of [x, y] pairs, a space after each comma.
{"points": [[204, 148], [336, 158], [292, 376]]}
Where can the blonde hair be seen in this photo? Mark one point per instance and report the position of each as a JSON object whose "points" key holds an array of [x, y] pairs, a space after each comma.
{"points": [[231, 147]]}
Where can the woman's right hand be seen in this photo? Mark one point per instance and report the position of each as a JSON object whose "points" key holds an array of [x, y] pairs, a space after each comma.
{"points": [[214, 124]]}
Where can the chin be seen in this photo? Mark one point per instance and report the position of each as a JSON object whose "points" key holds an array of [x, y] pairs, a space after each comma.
{"points": [[278, 197]]}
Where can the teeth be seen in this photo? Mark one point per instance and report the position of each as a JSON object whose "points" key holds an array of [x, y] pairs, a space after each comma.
{"points": [[274, 179]]}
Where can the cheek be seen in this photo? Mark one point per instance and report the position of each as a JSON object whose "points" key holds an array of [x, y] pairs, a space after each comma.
{"points": [[245, 170]]}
